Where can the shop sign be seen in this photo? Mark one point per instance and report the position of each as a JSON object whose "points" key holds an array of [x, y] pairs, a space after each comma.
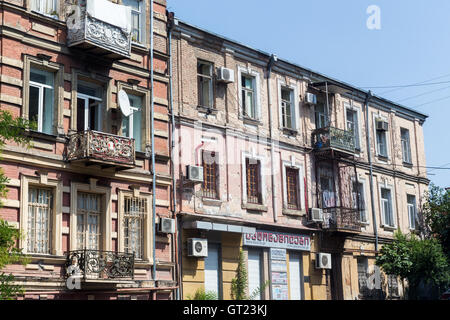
{"points": [[271, 239]]}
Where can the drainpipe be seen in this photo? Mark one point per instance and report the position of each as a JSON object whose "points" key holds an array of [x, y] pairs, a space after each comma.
{"points": [[170, 25], [272, 61], [152, 127], [369, 155]]}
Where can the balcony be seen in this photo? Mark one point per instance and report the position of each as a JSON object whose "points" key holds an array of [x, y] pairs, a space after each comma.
{"points": [[99, 266], [101, 28], [98, 148], [330, 138], [340, 219]]}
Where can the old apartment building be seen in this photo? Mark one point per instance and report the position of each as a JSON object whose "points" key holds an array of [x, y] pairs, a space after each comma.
{"points": [[88, 194], [307, 175]]}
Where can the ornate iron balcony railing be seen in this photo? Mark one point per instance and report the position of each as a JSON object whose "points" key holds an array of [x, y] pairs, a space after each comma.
{"points": [[103, 147], [334, 138], [100, 265], [95, 35], [341, 219]]}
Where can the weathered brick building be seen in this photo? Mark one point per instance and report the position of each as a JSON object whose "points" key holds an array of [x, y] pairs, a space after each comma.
{"points": [[83, 195]]}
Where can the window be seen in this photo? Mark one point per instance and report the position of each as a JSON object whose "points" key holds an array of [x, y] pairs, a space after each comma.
{"points": [[292, 187], [411, 204], [363, 269], [205, 84], [287, 111], [358, 200], [47, 7], [213, 269], [320, 116], [137, 19], [248, 96], [255, 273], [296, 275], [88, 221], [132, 125], [41, 99], [386, 207], [327, 187], [253, 183], [135, 211], [352, 124], [40, 207], [210, 174], [406, 146], [89, 107]]}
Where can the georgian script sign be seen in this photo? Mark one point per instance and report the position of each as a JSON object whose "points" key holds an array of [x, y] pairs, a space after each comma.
{"points": [[270, 239]]}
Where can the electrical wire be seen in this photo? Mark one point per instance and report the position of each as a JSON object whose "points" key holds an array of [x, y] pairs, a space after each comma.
{"points": [[407, 85], [422, 94], [432, 79], [437, 100]]}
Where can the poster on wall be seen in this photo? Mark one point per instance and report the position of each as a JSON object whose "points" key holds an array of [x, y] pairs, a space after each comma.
{"points": [[278, 274]]}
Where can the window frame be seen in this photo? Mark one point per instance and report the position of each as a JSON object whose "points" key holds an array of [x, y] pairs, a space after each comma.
{"points": [[41, 87], [357, 110], [406, 152], [301, 208], [294, 103], [362, 182], [210, 79], [33, 4], [55, 225], [247, 72], [142, 22], [216, 182], [262, 183], [147, 250], [414, 208], [377, 147], [392, 206]]}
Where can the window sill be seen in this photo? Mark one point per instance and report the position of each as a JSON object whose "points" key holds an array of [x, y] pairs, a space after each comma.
{"points": [[207, 110], [407, 164], [42, 136], [389, 228], [293, 212], [46, 258], [289, 132], [383, 158], [211, 202], [252, 122], [254, 207], [364, 223]]}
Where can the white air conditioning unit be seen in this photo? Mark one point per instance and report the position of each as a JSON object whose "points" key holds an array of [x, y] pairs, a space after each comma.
{"points": [[310, 98], [167, 225], [382, 125], [225, 75], [316, 215], [197, 247], [194, 173], [323, 261]]}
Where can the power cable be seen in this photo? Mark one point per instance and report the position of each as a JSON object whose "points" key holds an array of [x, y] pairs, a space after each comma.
{"points": [[440, 77], [422, 94], [408, 85]]}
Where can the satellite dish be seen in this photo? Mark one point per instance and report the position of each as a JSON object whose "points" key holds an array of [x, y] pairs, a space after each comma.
{"points": [[124, 103]]}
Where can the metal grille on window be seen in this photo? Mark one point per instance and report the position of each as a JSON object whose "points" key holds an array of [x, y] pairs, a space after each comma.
{"points": [[39, 215], [210, 175], [135, 211], [292, 188], [88, 221], [253, 193]]}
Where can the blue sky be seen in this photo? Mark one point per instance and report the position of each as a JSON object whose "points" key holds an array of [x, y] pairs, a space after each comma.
{"points": [[331, 37]]}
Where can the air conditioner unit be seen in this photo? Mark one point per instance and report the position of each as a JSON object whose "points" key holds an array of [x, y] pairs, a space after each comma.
{"points": [[382, 125], [316, 215], [323, 261], [166, 225], [197, 247], [310, 98], [225, 75], [194, 173]]}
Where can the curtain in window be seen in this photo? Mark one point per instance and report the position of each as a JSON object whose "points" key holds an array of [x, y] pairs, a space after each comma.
{"points": [[39, 215], [44, 6], [88, 221]]}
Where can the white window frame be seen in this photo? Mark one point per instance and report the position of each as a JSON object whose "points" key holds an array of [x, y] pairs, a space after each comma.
{"points": [[55, 242], [41, 87], [35, 3], [392, 191], [301, 185], [295, 110], [363, 182], [388, 153], [86, 98], [256, 98], [142, 25], [409, 152], [261, 159], [357, 109], [414, 207]]}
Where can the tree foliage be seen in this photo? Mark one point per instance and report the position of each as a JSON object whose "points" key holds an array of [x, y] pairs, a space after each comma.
{"points": [[415, 260], [201, 294], [436, 213]]}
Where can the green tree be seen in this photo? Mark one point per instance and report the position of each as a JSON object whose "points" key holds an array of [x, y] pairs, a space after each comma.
{"points": [[419, 261], [201, 294], [436, 213], [11, 129], [240, 283]]}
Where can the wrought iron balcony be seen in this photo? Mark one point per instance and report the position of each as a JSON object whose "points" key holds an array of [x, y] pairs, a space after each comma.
{"points": [[100, 265], [330, 138], [100, 27], [95, 147], [341, 220]]}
